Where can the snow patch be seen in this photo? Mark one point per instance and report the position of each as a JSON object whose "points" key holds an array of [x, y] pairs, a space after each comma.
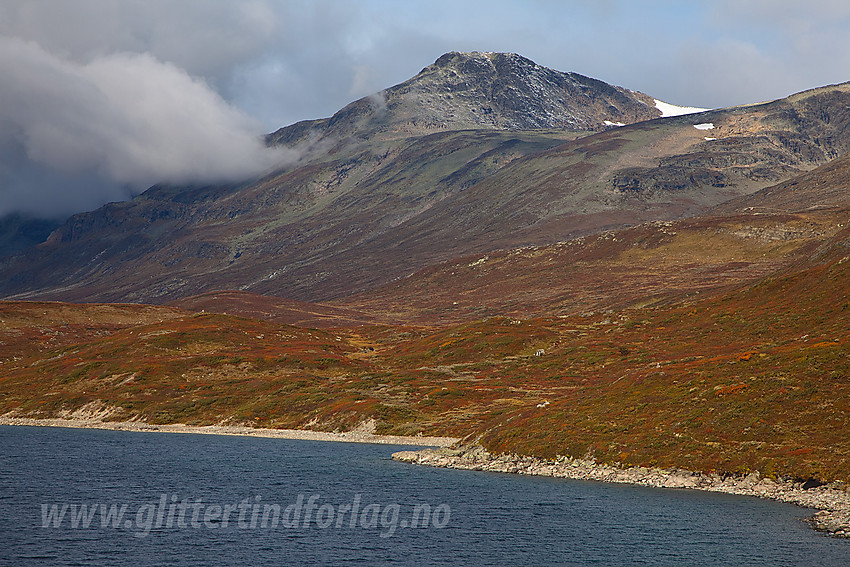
{"points": [[609, 123], [706, 126], [707, 139], [668, 110]]}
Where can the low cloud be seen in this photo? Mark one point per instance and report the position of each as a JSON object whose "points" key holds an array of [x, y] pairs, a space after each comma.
{"points": [[76, 134]]}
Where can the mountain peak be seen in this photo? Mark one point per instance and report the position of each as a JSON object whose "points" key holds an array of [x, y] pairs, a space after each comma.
{"points": [[481, 90], [515, 93]]}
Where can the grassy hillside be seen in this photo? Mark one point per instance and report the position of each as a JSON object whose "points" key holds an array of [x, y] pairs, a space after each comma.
{"points": [[755, 380]]}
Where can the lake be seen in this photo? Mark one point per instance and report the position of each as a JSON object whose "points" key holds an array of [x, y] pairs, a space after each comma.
{"points": [[97, 497]]}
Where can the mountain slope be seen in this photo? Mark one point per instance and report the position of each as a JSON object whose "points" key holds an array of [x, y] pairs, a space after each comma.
{"points": [[824, 188], [18, 232], [279, 232], [777, 228], [652, 264], [283, 311]]}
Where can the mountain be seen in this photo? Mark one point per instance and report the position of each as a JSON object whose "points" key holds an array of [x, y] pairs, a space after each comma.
{"points": [[383, 191], [19, 232], [476, 91]]}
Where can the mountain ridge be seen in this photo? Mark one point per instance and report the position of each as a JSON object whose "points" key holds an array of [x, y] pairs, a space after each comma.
{"points": [[358, 213]]}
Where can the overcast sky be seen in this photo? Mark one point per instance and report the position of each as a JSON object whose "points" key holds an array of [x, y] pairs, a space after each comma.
{"points": [[101, 98]]}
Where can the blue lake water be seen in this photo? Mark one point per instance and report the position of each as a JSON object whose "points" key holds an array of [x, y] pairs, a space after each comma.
{"points": [[220, 500]]}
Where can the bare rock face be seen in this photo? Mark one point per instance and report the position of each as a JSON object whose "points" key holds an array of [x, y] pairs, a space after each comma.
{"points": [[499, 91]]}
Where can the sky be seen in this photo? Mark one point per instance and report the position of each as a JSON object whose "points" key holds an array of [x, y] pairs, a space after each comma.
{"points": [[101, 99]]}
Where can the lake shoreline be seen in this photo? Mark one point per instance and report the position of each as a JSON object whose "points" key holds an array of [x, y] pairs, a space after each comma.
{"points": [[831, 501], [356, 436]]}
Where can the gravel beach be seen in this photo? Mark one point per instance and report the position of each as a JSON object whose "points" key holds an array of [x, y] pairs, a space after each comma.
{"points": [[356, 436]]}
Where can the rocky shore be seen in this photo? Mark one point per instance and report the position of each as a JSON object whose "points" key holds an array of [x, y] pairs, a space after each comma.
{"points": [[362, 435], [831, 501]]}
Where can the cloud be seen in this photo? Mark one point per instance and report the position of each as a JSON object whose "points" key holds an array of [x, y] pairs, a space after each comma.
{"points": [[117, 124], [207, 38]]}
